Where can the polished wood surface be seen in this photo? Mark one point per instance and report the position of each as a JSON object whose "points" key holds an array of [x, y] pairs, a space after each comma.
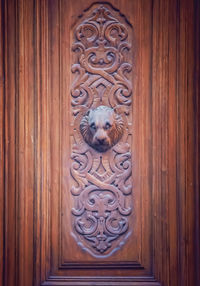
{"points": [[36, 245]]}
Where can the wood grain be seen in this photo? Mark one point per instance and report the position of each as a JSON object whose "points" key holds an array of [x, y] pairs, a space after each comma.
{"points": [[36, 247], [9, 144], [25, 140], [2, 160]]}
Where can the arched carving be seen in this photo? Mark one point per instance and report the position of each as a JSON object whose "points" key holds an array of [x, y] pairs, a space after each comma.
{"points": [[101, 160]]}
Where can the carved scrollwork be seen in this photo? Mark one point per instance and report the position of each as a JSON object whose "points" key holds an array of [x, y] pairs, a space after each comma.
{"points": [[101, 96], [101, 216]]}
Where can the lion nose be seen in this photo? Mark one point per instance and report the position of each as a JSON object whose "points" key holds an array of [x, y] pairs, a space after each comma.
{"points": [[101, 140]]}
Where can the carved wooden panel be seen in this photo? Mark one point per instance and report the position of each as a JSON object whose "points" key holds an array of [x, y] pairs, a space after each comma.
{"points": [[101, 158]]}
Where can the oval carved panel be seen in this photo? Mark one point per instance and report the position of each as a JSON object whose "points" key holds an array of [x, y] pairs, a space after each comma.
{"points": [[101, 97]]}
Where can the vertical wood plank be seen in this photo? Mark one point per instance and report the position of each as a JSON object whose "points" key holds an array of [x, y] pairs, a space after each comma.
{"points": [[25, 141], [164, 141], [45, 196], [9, 149], [2, 133], [186, 135], [181, 46], [42, 223], [190, 194], [197, 134], [54, 123], [188, 218], [38, 147], [65, 62], [142, 101], [172, 142], [159, 118]]}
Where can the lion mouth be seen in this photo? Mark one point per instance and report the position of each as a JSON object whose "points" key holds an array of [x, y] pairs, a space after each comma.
{"points": [[101, 147]]}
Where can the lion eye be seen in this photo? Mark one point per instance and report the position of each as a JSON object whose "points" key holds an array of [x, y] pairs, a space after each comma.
{"points": [[92, 126], [107, 126]]}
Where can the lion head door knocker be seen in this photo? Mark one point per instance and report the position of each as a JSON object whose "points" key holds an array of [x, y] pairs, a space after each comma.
{"points": [[102, 128], [101, 97]]}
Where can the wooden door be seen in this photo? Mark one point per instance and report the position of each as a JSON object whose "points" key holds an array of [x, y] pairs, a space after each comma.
{"points": [[99, 142]]}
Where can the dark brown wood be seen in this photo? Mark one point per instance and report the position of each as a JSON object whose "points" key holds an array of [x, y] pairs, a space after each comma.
{"points": [[9, 107], [37, 246], [197, 135], [2, 130], [26, 140]]}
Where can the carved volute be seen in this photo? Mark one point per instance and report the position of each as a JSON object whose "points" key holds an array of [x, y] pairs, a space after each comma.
{"points": [[101, 97]]}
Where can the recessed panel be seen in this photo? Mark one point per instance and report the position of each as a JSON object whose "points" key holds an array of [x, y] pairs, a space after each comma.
{"points": [[98, 209]]}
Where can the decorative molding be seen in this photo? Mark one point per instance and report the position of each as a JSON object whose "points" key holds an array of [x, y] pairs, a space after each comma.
{"points": [[103, 265], [101, 97], [99, 280]]}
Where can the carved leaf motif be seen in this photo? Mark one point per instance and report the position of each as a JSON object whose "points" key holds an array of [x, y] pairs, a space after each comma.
{"points": [[101, 176]]}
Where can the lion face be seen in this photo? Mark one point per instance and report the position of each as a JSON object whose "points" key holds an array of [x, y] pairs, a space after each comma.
{"points": [[101, 128]]}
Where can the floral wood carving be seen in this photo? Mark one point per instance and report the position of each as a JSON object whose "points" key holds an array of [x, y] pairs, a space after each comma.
{"points": [[101, 98]]}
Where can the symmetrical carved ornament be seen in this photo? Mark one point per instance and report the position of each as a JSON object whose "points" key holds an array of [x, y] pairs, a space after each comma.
{"points": [[101, 98]]}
